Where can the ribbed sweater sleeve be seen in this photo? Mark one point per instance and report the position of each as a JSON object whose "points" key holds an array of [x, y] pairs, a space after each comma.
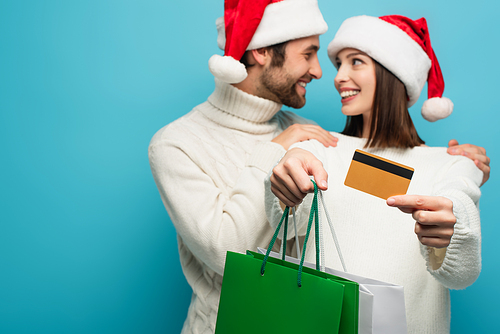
{"points": [[462, 263], [209, 220]]}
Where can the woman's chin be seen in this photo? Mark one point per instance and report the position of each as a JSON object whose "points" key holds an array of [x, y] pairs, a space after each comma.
{"points": [[349, 111]]}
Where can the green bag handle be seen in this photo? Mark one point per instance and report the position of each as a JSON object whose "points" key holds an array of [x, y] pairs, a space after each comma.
{"points": [[313, 215]]}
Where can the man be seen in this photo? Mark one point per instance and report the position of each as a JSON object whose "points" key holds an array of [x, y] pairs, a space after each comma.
{"points": [[210, 164]]}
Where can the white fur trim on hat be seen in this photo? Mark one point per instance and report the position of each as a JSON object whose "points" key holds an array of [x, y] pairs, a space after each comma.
{"points": [[227, 69], [388, 45], [282, 21], [437, 108]]}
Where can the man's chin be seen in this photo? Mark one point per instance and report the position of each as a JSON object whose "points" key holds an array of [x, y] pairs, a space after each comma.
{"points": [[296, 103]]}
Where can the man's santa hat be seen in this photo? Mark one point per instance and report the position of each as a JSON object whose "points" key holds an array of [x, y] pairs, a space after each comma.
{"points": [[253, 24], [402, 46]]}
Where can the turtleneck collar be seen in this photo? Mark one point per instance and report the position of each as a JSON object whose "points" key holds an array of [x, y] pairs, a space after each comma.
{"points": [[235, 108]]}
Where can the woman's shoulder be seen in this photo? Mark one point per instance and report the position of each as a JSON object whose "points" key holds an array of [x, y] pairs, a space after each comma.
{"points": [[438, 159], [424, 156], [434, 156]]}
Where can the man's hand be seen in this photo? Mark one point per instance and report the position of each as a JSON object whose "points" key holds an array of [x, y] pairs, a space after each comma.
{"points": [[300, 132], [473, 152], [434, 217], [290, 181]]}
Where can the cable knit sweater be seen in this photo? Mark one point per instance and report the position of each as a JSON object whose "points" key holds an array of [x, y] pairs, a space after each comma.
{"points": [[379, 242], [209, 166]]}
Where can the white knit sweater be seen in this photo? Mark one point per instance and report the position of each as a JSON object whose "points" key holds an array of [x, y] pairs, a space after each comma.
{"points": [[209, 166], [379, 242]]}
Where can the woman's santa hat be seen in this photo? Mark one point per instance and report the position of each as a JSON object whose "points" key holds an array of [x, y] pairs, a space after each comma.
{"points": [[403, 46], [253, 24]]}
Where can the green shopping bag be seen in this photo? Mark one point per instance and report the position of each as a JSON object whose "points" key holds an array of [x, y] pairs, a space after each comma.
{"points": [[261, 294]]}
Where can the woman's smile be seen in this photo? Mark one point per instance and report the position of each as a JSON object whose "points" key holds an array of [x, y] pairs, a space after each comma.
{"points": [[348, 94]]}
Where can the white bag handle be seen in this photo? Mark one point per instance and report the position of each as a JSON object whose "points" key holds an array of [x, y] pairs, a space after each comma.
{"points": [[335, 240]]}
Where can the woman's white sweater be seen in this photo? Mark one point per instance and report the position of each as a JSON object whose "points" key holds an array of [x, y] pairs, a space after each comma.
{"points": [[210, 167], [379, 242]]}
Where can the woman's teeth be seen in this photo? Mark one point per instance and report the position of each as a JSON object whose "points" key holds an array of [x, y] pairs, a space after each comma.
{"points": [[348, 93]]}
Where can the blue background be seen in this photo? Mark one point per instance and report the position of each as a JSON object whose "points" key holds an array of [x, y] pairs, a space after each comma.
{"points": [[86, 245]]}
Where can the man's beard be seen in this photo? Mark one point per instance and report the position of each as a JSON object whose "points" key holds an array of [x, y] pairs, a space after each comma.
{"points": [[282, 86]]}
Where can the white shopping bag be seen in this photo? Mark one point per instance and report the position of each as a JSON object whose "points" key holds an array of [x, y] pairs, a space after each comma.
{"points": [[381, 304]]}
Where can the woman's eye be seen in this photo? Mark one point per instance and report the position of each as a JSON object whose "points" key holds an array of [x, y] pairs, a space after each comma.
{"points": [[357, 62]]}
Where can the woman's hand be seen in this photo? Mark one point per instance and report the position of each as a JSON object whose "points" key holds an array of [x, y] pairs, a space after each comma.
{"points": [[290, 181], [434, 217], [473, 152]]}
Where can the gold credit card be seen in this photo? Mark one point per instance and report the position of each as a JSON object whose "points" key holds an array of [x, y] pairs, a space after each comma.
{"points": [[378, 176]]}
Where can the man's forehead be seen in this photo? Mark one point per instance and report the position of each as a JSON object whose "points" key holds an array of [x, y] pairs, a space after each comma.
{"points": [[310, 43]]}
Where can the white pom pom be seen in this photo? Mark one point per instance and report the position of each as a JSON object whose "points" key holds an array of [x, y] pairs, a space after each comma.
{"points": [[437, 108], [227, 69]]}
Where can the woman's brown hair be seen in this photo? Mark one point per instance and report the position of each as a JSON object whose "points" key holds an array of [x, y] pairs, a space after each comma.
{"points": [[391, 124]]}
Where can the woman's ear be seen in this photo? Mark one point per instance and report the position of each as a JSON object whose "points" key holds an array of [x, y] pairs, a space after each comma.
{"points": [[261, 56]]}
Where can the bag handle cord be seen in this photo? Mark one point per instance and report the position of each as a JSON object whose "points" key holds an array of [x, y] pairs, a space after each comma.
{"points": [[313, 215]]}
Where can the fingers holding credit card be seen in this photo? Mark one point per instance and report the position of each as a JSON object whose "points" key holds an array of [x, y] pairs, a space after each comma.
{"points": [[434, 217]]}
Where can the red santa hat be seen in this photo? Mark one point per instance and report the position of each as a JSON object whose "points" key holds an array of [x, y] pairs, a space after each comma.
{"points": [[253, 24], [403, 46]]}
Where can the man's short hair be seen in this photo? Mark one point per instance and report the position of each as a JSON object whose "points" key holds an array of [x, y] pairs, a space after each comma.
{"points": [[278, 54]]}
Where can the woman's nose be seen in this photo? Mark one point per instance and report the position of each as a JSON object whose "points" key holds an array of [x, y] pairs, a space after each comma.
{"points": [[342, 76]]}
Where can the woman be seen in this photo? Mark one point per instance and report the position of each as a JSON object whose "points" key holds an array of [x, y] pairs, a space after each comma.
{"points": [[383, 64]]}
